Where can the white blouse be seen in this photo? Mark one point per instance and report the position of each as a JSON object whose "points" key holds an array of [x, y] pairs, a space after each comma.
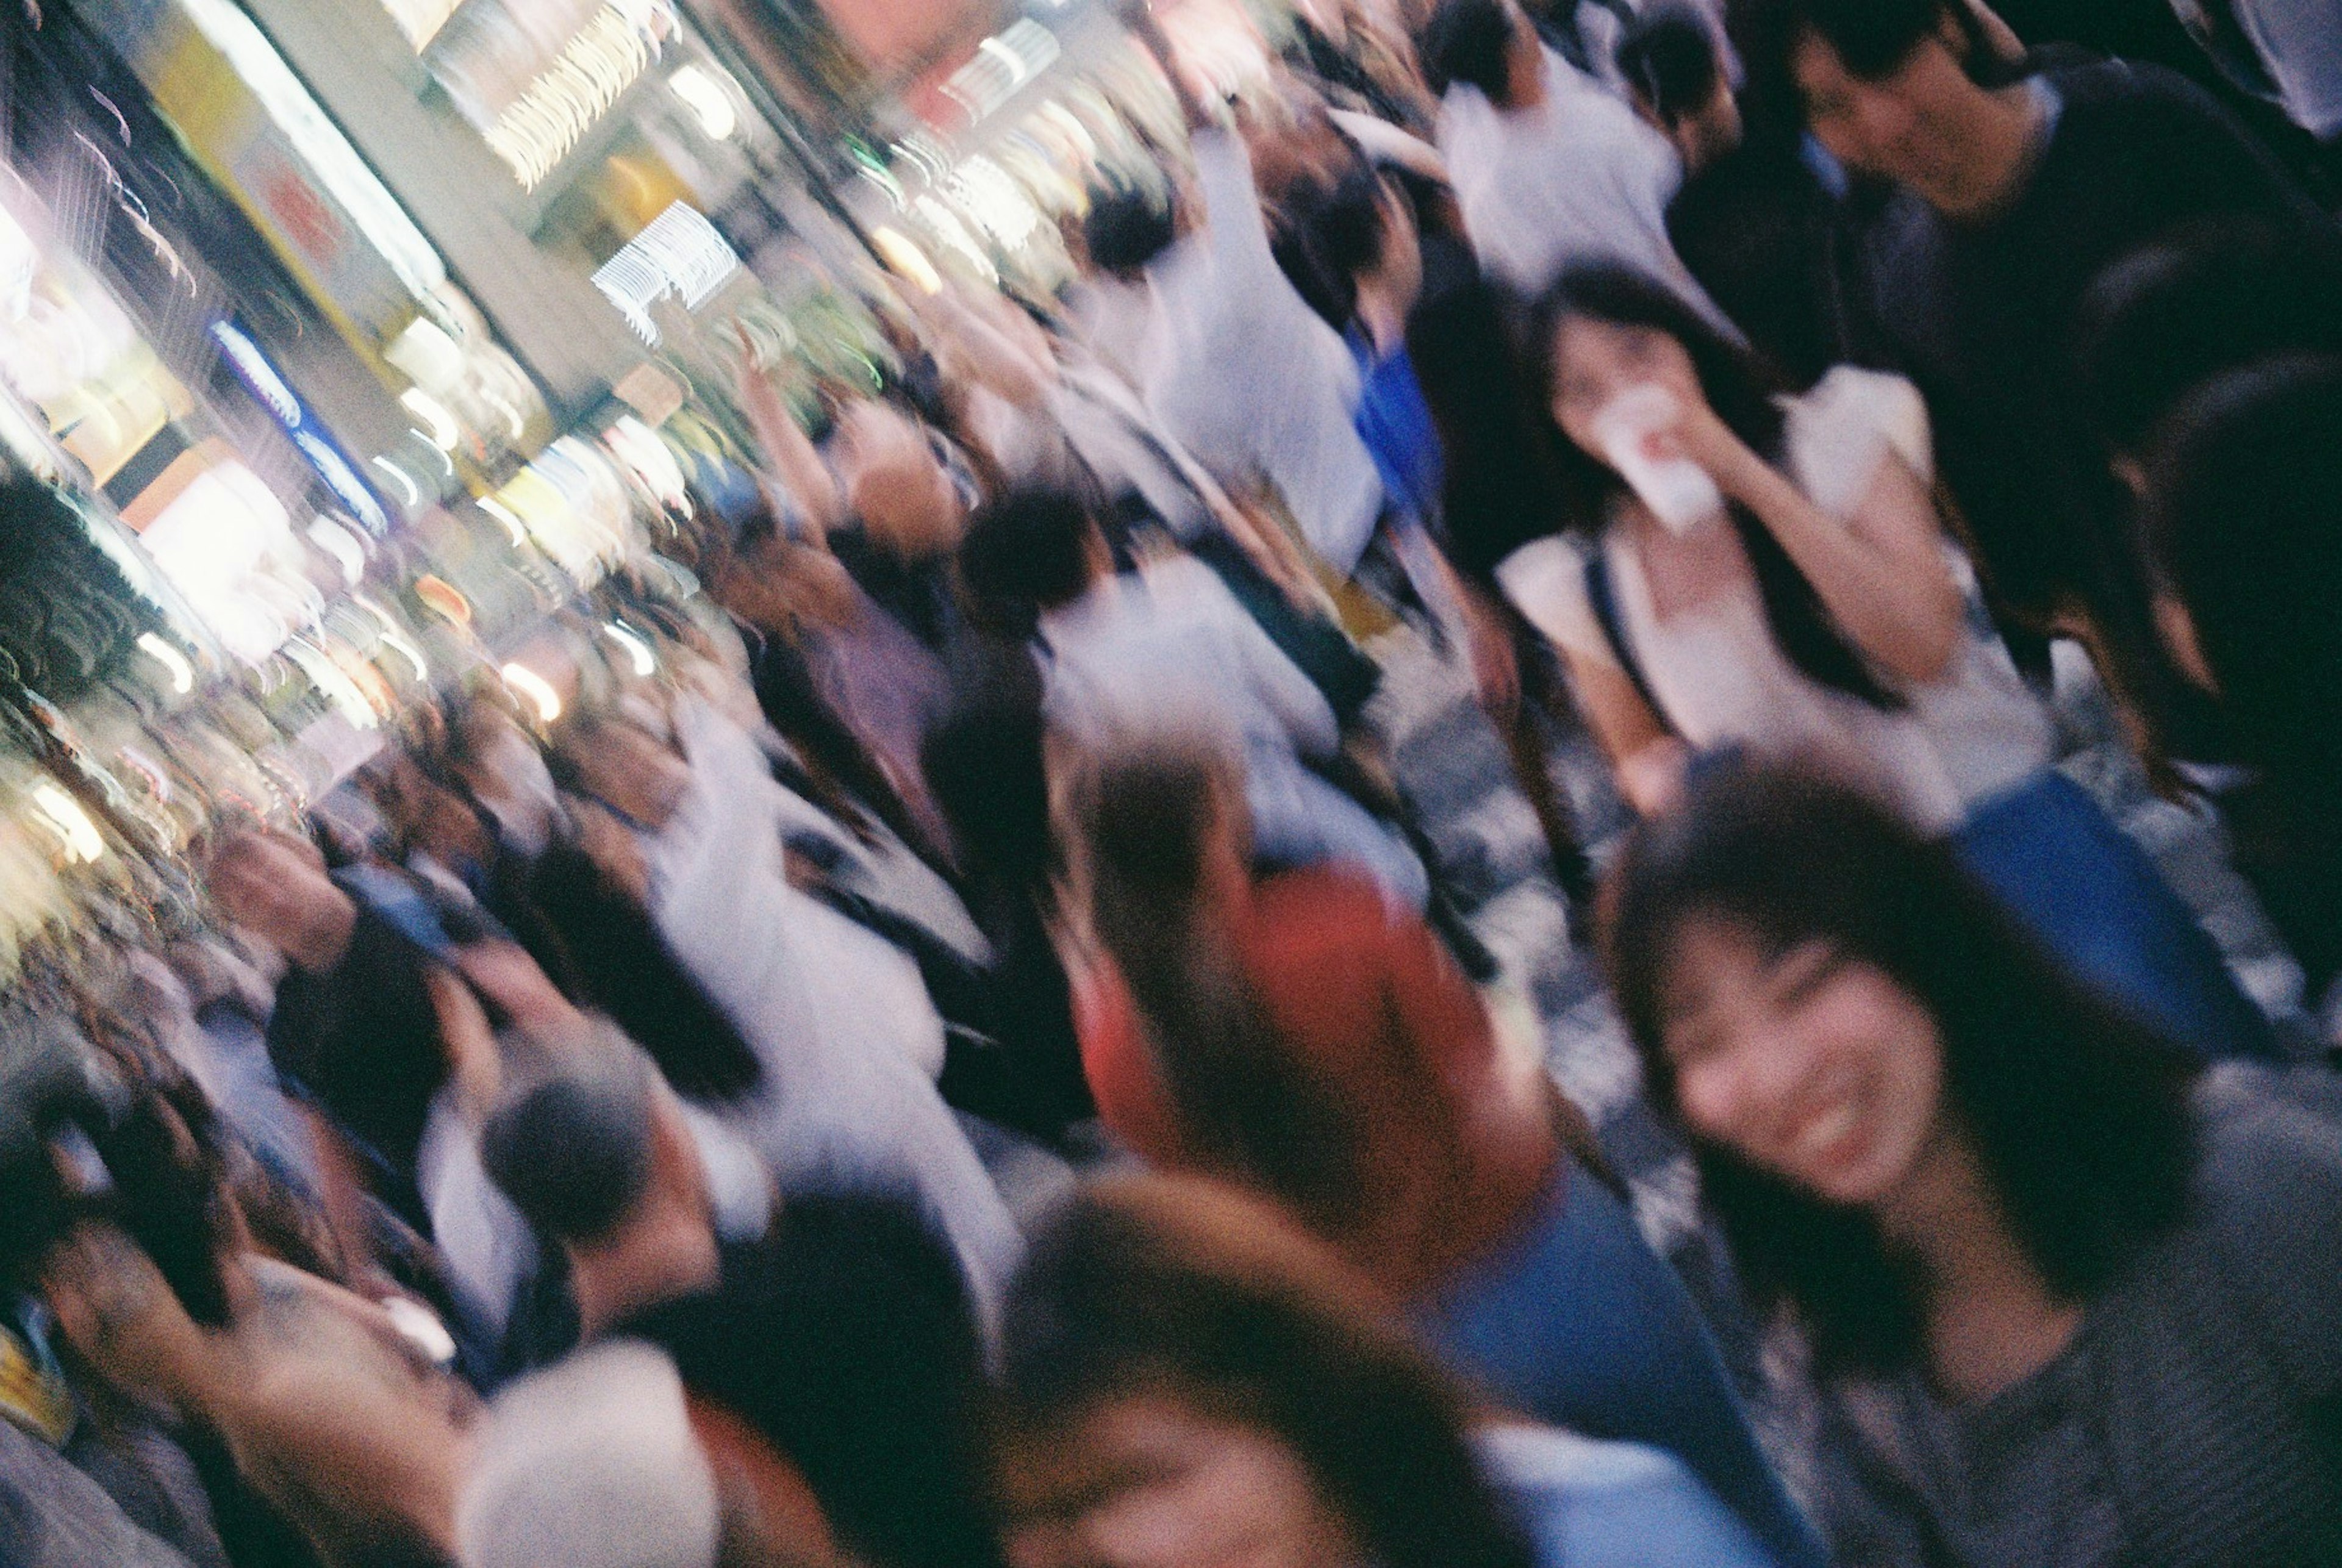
{"points": [[1974, 733]]}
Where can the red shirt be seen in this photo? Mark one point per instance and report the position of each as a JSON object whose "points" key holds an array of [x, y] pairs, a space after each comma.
{"points": [[1453, 1154]]}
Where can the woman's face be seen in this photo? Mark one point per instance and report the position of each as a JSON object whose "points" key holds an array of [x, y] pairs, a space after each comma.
{"points": [[1594, 360], [1813, 1065], [1151, 1481]]}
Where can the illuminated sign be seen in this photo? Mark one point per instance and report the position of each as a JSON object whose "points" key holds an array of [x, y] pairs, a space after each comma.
{"points": [[314, 441], [679, 253]]}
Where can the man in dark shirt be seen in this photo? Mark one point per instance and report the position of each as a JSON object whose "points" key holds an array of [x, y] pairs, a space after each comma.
{"points": [[353, 1028], [842, 1336], [2011, 200]]}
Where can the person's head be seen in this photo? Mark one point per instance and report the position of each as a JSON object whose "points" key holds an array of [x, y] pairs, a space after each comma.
{"points": [[615, 762], [986, 766], [1484, 43], [2244, 527], [593, 1150], [1894, 88], [1363, 228], [1604, 329], [1189, 1383], [2177, 313], [1127, 227], [275, 886], [896, 484], [1160, 841], [1672, 65], [777, 583], [1828, 1004], [504, 771], [1029, 552]]}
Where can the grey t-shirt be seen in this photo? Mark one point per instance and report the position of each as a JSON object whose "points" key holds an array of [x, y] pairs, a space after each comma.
{"points": [[2196, 1419], [54, 1515]]}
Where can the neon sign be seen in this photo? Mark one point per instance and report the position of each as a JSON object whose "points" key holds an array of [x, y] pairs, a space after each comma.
{"points": [[311, 439]]}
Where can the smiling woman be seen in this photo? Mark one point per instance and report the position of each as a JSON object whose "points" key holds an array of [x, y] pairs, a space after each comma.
{"points": [[2012, 1220]]}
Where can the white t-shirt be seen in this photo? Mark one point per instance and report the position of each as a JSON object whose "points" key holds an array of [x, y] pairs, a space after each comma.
{"points": [[2300, 43], [1579, 177], [1715, 669], [839, 1018], [1252, 382]]}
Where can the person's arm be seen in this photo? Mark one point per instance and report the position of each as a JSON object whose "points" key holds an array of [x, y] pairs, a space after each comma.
{"points": [[988, 352], [1139, 16], [1545, 581], [1880, 571], [797, 468], [1646, 758]]}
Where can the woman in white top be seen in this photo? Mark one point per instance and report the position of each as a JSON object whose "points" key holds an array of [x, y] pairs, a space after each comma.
{"points": [[1803, 597]]}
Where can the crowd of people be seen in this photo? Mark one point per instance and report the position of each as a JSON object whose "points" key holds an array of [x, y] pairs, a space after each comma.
{"points": [[968, 1051]]}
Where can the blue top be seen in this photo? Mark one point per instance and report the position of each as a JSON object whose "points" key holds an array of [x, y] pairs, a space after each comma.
{"points": [[1394, 422], [1590, 1505]]}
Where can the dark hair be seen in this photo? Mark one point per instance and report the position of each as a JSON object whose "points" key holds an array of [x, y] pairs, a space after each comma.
{"points": [[2175, 312], [1872, 38], [2243, 521], [1127, 227], [1668, 57], [146, 1123], [985, 763], [1345, 222], [867, 1372], [1503, 484], [1027, 551], [2078, 1112], [1739, 389], [1182, 1286], [1145, 814], [1468, 41], [572, 1151]]}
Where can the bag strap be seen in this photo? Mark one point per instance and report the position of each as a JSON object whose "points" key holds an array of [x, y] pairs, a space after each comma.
{"points": [[1602, 595]]}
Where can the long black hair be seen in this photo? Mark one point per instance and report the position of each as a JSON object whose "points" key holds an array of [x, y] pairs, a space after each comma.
{"points": [[2244, 522], [1181, 1286], [1739, 390], [1502, 476], [2077, 1110], [1145, 814]]}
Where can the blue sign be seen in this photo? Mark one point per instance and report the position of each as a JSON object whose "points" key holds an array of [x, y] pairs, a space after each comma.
{"points": [[312, 439]]}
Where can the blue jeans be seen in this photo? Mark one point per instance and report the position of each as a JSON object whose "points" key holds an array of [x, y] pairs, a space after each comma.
{"points": [[1581, 1325], [2097, 903]]}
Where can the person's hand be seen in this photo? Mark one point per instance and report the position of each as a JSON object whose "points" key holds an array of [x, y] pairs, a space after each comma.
{"points": [[1495, 668], [504, 974], [118, 1313], [466, 1036], [1701, 435]]}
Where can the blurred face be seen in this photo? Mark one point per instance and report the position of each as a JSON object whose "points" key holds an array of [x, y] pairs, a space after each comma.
{"points": [[1152, 1482], [624, 767], [1913, 125], [1594, 360], [896, 485], [280, 892], [1812, 1065]]}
